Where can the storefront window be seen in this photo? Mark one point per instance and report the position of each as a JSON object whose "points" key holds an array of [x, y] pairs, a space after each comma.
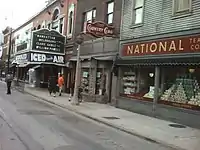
{"points": [[137, 83], [98, 81], [85, 80], [182, 87]]}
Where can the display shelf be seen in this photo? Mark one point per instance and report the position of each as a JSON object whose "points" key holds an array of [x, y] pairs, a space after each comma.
{"points": [[185, 91], [129, 83]]}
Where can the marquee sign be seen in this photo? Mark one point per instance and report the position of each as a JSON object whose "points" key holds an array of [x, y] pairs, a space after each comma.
{"points": [[51, 58], [99, 29], [48, 41], [190, 44]]}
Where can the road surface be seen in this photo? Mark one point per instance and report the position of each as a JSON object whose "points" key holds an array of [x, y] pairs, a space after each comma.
{"points": [[32, 124]]}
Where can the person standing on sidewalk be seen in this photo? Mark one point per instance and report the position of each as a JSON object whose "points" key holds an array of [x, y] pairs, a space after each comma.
{"points": [[52, 85], [60, 84], [8, 80], [71, 90]]}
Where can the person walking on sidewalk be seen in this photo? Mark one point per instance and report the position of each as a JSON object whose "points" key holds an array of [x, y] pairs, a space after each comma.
{"points": [[71, 90], [52, 85], [8, 80], [60, 84]]}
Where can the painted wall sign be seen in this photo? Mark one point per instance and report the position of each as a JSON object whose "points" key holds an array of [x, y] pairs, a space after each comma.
{"points": [[99, 29], [189, 44], [48, 41], [41, 57]]}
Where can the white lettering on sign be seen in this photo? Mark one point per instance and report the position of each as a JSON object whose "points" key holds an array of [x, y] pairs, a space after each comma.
{"points": [[21, 57], [58, 59], [38, 57]]}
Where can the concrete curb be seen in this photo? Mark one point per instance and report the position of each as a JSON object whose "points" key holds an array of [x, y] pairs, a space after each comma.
{"points": [[134, 133]]}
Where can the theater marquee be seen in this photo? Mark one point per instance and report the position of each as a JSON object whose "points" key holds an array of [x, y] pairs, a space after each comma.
{"points": [[189, 44]]}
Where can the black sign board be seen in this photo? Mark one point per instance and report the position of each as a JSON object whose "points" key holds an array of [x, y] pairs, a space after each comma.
{"points": [[51, 58], [48, 41], [22, 46]]}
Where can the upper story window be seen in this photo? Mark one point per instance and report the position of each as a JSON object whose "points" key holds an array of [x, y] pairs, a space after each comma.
{"points": [[57, 21], [110, 11], [61, 26], [70, 20], [39, 26], [55, 14], [181, 6], [138, 10], [90, 16]]}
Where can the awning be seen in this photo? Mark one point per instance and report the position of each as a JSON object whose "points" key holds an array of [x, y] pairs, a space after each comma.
{"points": [[22, 65], [36, 67], [95, 57], [74, 58], [104, 58], [160, 61], [14, 62]]}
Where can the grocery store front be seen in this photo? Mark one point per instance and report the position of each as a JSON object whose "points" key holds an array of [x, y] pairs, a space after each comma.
{"points": [[161, 78]]}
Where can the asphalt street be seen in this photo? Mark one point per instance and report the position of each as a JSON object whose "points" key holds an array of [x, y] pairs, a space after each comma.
{"points": [[31, 124]]}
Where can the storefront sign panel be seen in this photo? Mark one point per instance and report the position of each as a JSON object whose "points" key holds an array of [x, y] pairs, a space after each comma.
{"points": [[189, 44], [48, 41], [99, 29], [22, 58], [41, 57]]}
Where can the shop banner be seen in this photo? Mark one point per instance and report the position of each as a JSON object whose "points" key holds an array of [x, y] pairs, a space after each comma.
{"points": [[22, 58], [48, 41], [190, 44], [99, 29], [51, 58]]}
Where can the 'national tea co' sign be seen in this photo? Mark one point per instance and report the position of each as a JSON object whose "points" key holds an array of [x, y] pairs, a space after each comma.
{"points": [[190, 44], [99, 29]]}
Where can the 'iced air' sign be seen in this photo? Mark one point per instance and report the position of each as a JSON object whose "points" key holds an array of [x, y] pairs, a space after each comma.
{"points": [[52, 58]]}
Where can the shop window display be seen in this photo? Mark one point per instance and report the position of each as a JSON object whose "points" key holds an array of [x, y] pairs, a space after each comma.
{"points": [[85, 80], [98, 81], [129, 83], [138, 83], [184, 91]]}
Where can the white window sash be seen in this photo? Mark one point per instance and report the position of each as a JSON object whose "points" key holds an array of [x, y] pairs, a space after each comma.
{"points": [[137, 7], [180, 6], [110, 8]]}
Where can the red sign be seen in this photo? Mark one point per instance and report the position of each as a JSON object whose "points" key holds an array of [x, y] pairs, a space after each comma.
{"points": [[99, 29], [167, 46]]}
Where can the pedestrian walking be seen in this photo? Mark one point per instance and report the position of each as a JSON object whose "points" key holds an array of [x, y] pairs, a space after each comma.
{"points": [[60, 84], [52, 85], [71, 90], [8, 80]]}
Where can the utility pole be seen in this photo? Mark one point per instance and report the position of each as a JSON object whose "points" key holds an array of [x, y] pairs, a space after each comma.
{"points": [[79, 41], [9, 51]]}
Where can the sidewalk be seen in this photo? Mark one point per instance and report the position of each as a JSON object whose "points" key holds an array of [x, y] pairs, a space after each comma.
{"points": [[143, 126]]}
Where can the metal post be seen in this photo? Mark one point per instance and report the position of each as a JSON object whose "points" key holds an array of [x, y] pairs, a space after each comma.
{"points": [[156, 90], [9, 51], [75, 100]]}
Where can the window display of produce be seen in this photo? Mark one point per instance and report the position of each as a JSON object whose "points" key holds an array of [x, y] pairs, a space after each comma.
{"points": [[85, 81], [184, 91], [129, 83]]}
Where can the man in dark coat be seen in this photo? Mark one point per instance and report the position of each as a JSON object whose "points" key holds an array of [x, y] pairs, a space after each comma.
{"points": [[9, 79], [52, 85]]}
